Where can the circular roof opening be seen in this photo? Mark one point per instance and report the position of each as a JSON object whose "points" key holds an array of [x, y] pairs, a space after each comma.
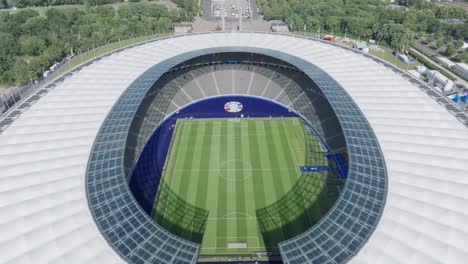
{"points": [[242, 166], [333, 129]]}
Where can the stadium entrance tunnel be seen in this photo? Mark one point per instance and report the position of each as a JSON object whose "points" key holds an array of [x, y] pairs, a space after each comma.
{"points": [[237, 86], [342, 160]]}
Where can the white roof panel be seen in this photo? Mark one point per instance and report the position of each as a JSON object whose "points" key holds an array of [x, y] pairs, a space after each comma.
{"points": [[44, 215], [464, 66]]}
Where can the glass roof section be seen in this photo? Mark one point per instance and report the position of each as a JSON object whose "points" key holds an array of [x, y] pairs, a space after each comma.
{"points": [[138, 239]]}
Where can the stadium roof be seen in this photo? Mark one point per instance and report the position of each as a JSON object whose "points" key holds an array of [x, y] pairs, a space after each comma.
{"points": [[44, 213]]}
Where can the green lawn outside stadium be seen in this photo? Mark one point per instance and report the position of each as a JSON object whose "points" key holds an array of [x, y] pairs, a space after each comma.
{"points": [[220, 173]]}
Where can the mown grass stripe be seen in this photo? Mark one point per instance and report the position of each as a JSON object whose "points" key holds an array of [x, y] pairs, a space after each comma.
{"points": [[240, 178], [168, 176], [287, 145], [170, 180], [202, 147], [276, 163], [170, 165], [209, 239], [187, 159], [221, 224], [286, 151], [263, 149], [252, 195], [229, 178], [255, 160], [204, 163]]}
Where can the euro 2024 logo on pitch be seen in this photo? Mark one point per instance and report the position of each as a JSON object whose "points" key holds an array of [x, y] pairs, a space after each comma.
{"points": [[233, 107]]}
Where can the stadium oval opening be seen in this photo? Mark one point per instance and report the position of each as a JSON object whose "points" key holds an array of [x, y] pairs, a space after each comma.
{"points": [[236, 152]]}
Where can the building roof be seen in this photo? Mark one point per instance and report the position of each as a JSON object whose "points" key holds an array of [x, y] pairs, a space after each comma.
{"points": [[361, 46], [446, 61], [463, 66], [439, 76], [45, 216], [465, 45]]}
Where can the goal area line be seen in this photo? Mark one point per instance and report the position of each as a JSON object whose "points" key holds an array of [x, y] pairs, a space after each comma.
{"points": [[232, 239]]}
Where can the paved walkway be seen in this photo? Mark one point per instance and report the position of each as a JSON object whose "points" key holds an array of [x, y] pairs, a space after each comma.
{"points": [[202, 25]]}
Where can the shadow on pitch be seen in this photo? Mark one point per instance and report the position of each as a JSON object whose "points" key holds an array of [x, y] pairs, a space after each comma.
{"points": [[179, 217], [301, 207], [292, 215]]}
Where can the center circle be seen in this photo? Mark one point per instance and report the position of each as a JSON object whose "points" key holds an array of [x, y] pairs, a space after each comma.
{"points": [[235, 170]]}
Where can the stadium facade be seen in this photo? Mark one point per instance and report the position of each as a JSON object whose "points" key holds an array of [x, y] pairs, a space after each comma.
{"points": [[67, 150]]}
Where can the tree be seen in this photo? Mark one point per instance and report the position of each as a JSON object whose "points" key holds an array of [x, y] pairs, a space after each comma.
{"points": [[442, 12], [410, 18], [34, 26], [164, 24], [430, 38], [21, 72], [463, 57], [29, 41], [296, 22], [22, 15], [448, 39], [51, 54], [8, 45], [8, 51], [395, 35], [57, 20], [157, 11], [439, 43], [458, 44], [105, 11], [402, 38], [312, 23], [60, 30], [32, 45], [451, 51], [98, 2], [4, 4]]}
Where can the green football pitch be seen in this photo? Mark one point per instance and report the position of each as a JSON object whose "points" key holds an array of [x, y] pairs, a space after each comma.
{"points": [[237, 183]]}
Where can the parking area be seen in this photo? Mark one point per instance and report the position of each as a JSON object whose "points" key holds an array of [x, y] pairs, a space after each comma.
{"points": [[229, 9]]}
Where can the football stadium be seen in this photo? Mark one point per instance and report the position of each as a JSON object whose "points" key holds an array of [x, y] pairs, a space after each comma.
{"points": [[234, 147]]}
